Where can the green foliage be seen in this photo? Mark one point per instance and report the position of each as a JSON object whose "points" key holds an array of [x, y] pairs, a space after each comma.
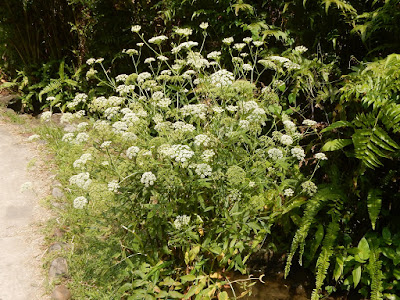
{"points": [[323, 261]]}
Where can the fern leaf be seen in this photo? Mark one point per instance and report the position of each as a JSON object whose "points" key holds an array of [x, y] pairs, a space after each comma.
{"points": [[336, 144], [337, 124], [312, 208], [323, 261], [370, 145], [52, 86], [374, 203], [375, 271]]}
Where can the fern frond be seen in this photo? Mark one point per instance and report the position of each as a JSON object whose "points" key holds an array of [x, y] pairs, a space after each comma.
{"points": [[323, 261], [391, 117], [301, 234], [374, 203], [312, 208], [372, 144], [55, 84], [375, 266], [340, 4]]}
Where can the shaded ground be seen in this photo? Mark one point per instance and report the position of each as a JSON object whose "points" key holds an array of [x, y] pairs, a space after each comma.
{"points": [[21, 276]]}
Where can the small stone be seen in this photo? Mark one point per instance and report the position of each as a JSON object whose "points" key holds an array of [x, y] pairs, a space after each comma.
{"points": [[58, 232], [58, 267], [61, 292], [57, 247], [57, 193]]}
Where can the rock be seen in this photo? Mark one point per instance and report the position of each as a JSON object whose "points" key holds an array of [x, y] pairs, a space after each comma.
{"points": [[6, 100], [57, 247], [57, 193], [58, 267], [58, 232], [61, 292]]}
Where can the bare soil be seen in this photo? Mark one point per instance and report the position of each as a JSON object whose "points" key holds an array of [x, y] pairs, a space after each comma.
{"points": [[22, 276]]}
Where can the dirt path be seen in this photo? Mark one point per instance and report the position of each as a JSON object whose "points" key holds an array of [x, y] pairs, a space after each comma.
{"points": [[21, 275]]}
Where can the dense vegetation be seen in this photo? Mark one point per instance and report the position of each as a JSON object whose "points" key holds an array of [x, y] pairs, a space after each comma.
{"points": [[214, 131]]}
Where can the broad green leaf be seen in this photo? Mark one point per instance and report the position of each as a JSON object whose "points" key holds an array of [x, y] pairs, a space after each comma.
{"points": [[363, 247], [292, 98], [356, 275], [374, 203], [187, 278], [338, 268], [336, 144], [175, 294], [223, 296]]}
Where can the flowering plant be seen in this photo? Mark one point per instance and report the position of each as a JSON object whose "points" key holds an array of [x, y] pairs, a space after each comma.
{"points": [[196, 159]]}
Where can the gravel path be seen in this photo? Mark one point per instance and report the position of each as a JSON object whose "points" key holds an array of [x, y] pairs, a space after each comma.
{"points": [[21, 251]]}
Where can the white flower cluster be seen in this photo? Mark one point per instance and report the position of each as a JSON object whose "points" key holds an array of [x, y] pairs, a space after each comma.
{"points": [[80, 202], [148, 179], [101, 125], [105, 144], [202, 140], [309, 187], [308, 122], [66, 118], [130, 118], [124, 90], [208, 155], [196, 60], [111, 112], [298, 153], [222, 78], [289, 65], [185, 45], [275, 153], [183, 127], [46, 116], [142, 77], [181, 153], [203, 170], [79, 98], [81, 180], [214, 55], [81, 138], [119, 127], [181, 221], [82, 125], [195, 110], [183, 31], [286, 140], [279, 59], [132, 151], [113, 186], [300, 49], [289, 126], [68, 137], [288, 192], [81, 162], [320, 156], [121, 78], [158, 39]]}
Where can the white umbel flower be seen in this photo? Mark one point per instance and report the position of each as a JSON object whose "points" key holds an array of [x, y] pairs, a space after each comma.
{"points": [[80, 202], [286, 140], [148, 179], [320, 156], [275, 153]]}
